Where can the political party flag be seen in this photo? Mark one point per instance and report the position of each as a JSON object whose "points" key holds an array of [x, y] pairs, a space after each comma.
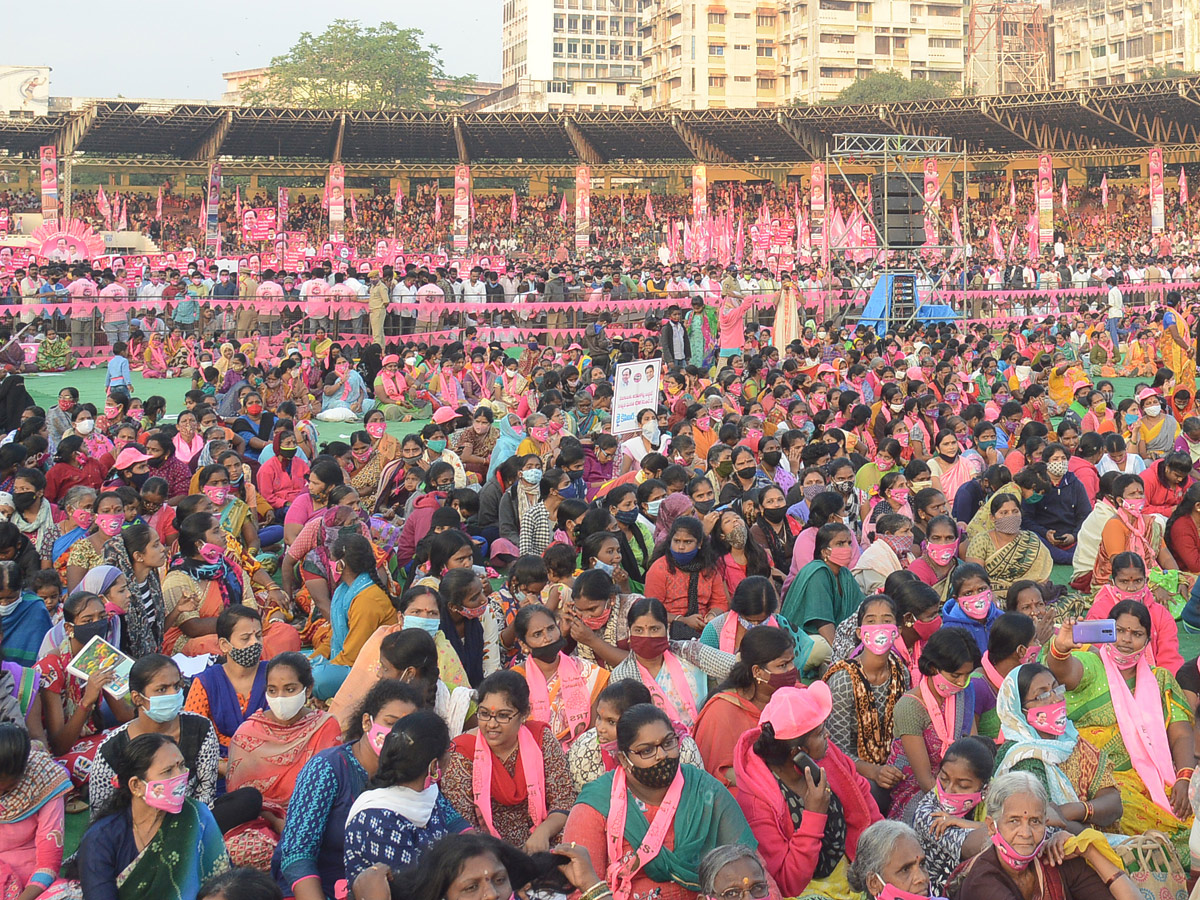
{"points": [[399, 202], [512, 214], [1034, 229], [1012, 243], [123, 221], [237, 193], [649, 207], [622, 207], [1183, 190], [1064, 191], [1012, 192], [1104, 190], [353, 209], [740, 249], [472, 204], [437, 209], [158, 208], [997, 244], [562, 210]]}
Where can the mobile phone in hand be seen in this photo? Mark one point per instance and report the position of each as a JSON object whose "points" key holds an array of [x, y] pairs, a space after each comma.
{"points": [[1095, 631]]}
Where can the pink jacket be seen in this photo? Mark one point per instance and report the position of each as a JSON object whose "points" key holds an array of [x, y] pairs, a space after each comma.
{"points": [[791, 855], [277, 486], [733, 325]]}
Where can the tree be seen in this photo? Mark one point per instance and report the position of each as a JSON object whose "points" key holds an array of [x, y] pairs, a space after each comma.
{"points": [[890, 87], [1159, 73], [352, 67]]}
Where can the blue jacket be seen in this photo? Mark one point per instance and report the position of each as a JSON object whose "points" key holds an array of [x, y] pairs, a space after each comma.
{"points": [[954, 617], [1062, 510]]}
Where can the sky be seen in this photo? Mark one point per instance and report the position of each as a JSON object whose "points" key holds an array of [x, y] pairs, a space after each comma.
{"points": [[167, 50]]}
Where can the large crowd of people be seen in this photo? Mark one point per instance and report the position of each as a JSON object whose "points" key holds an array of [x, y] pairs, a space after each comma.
{"points": [[845, 612]]}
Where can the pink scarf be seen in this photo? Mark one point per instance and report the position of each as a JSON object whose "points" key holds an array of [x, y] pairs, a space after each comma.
{"points": [[572, 688], [531, 763], [1140, 713], [729, 630], [943, 715], [1138, 529], [620, 871], [678, 678], [393, 385]]}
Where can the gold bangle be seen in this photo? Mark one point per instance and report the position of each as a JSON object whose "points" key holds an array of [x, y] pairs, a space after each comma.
{"points": [[1054, 651]]}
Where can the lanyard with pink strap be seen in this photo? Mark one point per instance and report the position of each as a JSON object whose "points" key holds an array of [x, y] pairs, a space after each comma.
{"points": [[577, 700], [678, 678], [729, 630], [530, 757], [620, 870], [943, 715]]}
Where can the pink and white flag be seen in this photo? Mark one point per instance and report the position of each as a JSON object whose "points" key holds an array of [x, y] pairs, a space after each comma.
{"points": [[399, 201], [1012, 192], [123, 221], [1183, 189], [562, 209], [1034, 229], [649, 207], [353, 209], [512, 213], [1012, 243], [997, 244], [158, 208], [622, 207], [1104, 190], [1064, 192], [437, 209]]}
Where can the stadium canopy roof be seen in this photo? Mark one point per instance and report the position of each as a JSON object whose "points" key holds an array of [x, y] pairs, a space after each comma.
{"points": [[1142, 114]]}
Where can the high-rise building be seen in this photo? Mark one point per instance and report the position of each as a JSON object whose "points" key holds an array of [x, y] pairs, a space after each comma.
{"points": [[835, 42], [699, 55], [1098, 42], [568, 55]]}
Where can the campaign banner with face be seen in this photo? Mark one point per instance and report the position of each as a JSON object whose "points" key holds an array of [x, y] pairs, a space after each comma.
{"points": [[583, 207], [282, 208], [462, 207], [1045, 198], [258, 223], [1157, 211], [5, 221], [212, 224], [635, 388], [48, 168], [699, 192], [336, 191], [933, 201]]}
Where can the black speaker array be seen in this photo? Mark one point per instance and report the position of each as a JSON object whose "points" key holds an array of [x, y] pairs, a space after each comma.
{"points": [[898, 210]]}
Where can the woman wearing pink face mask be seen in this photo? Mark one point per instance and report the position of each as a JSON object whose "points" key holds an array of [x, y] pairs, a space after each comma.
{"points": [[151, 840], [1041, 740], [972, 604], [236, 517], [1011, 642], [86, 554], [932, 716], [204, 582], [824, 592], [1132, 529], [1129, 582], [1024, 861], [384, 444], [893, 496]]}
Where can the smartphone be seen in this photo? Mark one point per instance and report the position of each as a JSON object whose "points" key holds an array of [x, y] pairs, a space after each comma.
{"points": [[1096, 631], [805, 763]]}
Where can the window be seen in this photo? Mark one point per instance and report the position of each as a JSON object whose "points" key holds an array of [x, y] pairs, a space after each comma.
{"points": [[558, 87], [741, 79], [766, 22], [560, 22], [716, 18], [621, 88], [945, 42], [716, 81], [1100, 52], [591, 89], [587, 25], [716, 49], [766, 84], [741, 46], [600, 49], [572, 49], [558, 48], [765, 51]]}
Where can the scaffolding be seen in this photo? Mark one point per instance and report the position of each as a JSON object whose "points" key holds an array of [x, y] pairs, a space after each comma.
{"points": [[1007, 48]]}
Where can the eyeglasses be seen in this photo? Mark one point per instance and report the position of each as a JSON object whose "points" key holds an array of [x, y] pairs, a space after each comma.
{"points": [[758, 890], [1059, 693], [669, 743], [502, 718]]}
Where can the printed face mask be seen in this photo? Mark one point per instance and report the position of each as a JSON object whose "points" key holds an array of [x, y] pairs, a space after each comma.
{"points": [[1018, 861], [167, 794], [878, 639], [944, 687], [942, 553], [110, 523], [956, 804], [1050, 717], [976, 605]]}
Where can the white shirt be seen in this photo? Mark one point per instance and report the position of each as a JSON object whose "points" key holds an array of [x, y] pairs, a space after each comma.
{"points": [[474, 293], [1134, 465], [1116, 303]]}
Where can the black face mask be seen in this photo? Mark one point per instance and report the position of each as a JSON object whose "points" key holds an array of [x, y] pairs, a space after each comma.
{"points": [[703, 506], [24, 500], [775, 514], [84, 633], [157, 462], [659, 775], [548, 653], [772, 457], [746, 473]]}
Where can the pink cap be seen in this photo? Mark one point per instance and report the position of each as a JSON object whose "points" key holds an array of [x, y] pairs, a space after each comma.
{"points": [[129, 456], [390, 359], [445, 414], [825, 367], [914, 373], [574, 347], [793, 711], [1146, 393]]}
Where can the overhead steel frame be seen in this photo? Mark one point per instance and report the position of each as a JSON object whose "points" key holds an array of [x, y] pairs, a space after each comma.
{"points": [[890, 155]]}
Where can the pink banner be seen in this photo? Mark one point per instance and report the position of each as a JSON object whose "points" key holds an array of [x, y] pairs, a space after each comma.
{"points": [[1157, 206], [212, 211], [335, 189], [583, 207], [5, 222], [462, 207], [258, 224], [933, 202], [699, 192], [1045, 199], [816, 205], [48, 168]]}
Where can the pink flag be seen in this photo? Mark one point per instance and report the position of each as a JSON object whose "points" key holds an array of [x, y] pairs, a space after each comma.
{"points": [[1183, 191], [472, 206], [997, 244], [1012, 243], [1033, 229], [622, 207], [740, 249], [956, 234], [1012, 192], [512, 213], [562, 209], [203, 214], [399, 202], [805, 234], [123, 221], [238, 198], [1104, 190], [437, 209], [353, 209], [158, 209], [102, 204], [1064, 191], [649, 207]]}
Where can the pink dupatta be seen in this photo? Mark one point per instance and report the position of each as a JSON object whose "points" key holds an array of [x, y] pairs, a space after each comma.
{"points": [[529, 751], [620, 871], [1140, 721], [729, 630], [678, 679], [572, 688]]}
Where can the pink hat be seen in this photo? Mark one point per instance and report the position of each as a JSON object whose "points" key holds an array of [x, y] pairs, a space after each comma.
{"points": [[129, 456], [825, 367], [1146, 393], [574, 347], [793, 711], [914, 373], [445, 414], [391, 359]]}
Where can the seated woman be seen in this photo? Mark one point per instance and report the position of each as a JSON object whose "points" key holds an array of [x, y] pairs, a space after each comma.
{"points": [[622, 809], [204, 582], [1007, 552], [32, 791], [562, 688], [1041, 740], [400, 400], [236, 518], [270, 748], [176, 844], [865, 688], [307, 569], [1132, 530], [756, 602], [802, 797], [24, 621], [684, 574], [890, 863], [509, 776], [358, 607], [931, 717], [1023, 861], [283, 477], [893, 497], [1183, 531], [470, 624], [1129, 583], [54, 354], [888, 553], [972, 606], [731, 869], [766, 663], [939, 555], [1010, 643], [824, 592], [437, 669], [828, 507], [106, 523], [1135, 714], [309, 859], [1056, 514], [949, 819], [403, 814]]}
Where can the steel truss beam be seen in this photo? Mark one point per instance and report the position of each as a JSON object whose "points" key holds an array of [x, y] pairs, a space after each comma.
{"points": [[702, 148], [339, 136], [209, 144], [74, 130], [583, 147], [806, 138], [1133, 120], [891, 146], [460, 140]]}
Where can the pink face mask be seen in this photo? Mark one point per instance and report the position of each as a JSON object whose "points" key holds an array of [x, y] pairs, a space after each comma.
{"points": [[376, 429], [377, 735], [210, 553], [942, 553], [1018, 861], [841, 556], [167, 794], [110, 523], [84, 518], [1050, 718], [1123, 660], [956, 804], [976, 606], [217, 494], [1135, 506], [878, 639], [900, 495], [476, 613], [891, 892], [944, 686], [539, 434]]}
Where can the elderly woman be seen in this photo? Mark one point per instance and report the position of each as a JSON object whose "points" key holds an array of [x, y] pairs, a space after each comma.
{"points": [[1007, 552], [1023, 861], [890, 864], [734, 869]]}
